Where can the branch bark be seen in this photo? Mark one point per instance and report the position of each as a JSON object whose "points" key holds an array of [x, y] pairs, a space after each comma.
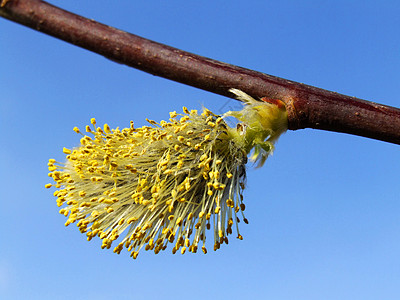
{"points": [[308, 106]]}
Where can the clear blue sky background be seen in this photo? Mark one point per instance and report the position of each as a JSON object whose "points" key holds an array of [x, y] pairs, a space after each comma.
{"points": [[324, 211]]}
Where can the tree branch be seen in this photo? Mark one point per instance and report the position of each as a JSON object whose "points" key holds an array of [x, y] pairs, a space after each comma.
{"points": [[308, 107]]}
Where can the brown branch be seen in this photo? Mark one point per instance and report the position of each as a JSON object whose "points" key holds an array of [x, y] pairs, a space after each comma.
{"points": [[308, 107]]}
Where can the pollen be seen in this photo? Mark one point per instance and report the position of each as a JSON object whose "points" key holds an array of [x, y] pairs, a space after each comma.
{"points": [[170, 182]]}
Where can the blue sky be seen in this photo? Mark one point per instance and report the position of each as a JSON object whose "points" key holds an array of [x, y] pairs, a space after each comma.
{"points": [[324, 212]]}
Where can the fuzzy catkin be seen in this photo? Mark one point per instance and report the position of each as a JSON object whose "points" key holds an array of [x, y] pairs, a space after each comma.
{"points": [[169, 182]]}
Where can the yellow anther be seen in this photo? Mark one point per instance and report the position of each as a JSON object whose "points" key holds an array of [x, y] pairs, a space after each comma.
{"points": [[49, 185], [146, 202], [183, 250], [203, 157], [190, 216], [221, 187], [93, 121], [179, 221], [173, 114], [217, 209], [107, 128], [171, 238], [52, 160], [146, 226], [95, 227], [152, 122], [184, 119], [229, 175], [109, 210], [209, 118], [179, 164], [185, 110], [76, 129], [171, 217], [82, 193], [143, 182], [74, 211], [187, 186], [72, 202], [211, 124], [118, 248], [67, 151], [131, 220], [230, 203], [201, 214]]}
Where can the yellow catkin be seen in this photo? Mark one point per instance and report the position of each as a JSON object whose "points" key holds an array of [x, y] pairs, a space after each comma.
{"points": [[164, 183]]}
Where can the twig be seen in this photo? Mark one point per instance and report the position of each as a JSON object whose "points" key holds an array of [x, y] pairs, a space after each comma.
{"points": [[308, 107]]}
